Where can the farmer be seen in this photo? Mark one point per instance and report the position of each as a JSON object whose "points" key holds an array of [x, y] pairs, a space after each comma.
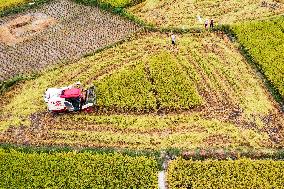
{"points": [[206, 24], [211, 23], [173, 37], [199, 19]]}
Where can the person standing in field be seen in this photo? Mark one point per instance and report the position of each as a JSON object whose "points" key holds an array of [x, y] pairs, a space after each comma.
{"points": [[211, 23], [199, 19], [173, 37], [206, 24]]}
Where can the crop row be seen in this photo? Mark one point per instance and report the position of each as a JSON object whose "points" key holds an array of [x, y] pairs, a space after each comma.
{"points": [[76, 170], [264, 40], [243, 173], [111, 3], [174, 89], [71, 169], [136, 132], [128, 88], [157, 83]]}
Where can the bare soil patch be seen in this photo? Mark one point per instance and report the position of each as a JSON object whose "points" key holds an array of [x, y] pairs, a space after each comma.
{"points": [[24, 27]]}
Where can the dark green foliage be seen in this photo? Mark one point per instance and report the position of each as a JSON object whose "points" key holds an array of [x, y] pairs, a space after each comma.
{"points": [[6, 85]]}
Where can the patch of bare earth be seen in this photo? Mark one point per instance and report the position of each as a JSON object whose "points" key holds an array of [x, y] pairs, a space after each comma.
{"points": [[24, 27]]}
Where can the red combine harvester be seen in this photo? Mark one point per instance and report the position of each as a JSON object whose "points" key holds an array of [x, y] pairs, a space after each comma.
{"points": [[69, 99]]}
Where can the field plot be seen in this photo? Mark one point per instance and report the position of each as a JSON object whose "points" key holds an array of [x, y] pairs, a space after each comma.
{"points": [[264, 41], [54, 33], [243, 173], [200, 93], [185, 13]]}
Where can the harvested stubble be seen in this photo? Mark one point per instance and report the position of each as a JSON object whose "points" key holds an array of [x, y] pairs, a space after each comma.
{"points": [[79, 30]]}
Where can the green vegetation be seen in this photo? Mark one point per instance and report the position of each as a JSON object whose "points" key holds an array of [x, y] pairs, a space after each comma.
{"points": [[7, 84], [110, 4], [136, 87], [4, 4], [243, 173], [76, 170], [183, 13], [263, 41], [128, 89], [174, 89]]}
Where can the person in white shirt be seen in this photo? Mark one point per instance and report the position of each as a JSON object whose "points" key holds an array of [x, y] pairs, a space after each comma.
{"points": [[206, 24], [173, 39]]}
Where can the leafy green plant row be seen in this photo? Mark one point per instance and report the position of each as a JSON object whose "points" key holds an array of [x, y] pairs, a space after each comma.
{"points": [[263, 41], [110, 4], [213, 153], [76, 170], [6, 85], [243, 173]]}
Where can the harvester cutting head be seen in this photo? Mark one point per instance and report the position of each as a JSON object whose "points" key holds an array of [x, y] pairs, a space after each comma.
{"points": [[69, 99]]}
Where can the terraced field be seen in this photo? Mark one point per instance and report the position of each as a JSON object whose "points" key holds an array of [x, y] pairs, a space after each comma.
{"points": [[57, 32], [152, 95], [185, 13]]}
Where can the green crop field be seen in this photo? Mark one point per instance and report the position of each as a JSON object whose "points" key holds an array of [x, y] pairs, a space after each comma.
{"points": [[195, 114], [264, 41], [243, 173], [75, 170]]}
